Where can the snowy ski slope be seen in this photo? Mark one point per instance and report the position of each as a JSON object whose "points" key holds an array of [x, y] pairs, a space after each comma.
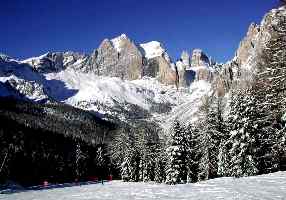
{"points": [[271, 186]]}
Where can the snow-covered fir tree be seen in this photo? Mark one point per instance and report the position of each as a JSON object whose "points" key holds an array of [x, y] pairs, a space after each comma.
{"points": [[124, 154], [133, 150], [190, 154], [80, 157], [175, 153], [243, 141], [126, 169], [147, 164], [159, 168], [180, 155], [130, 166], [223, 158], [211, 131], [270, 93], [100, 157]]}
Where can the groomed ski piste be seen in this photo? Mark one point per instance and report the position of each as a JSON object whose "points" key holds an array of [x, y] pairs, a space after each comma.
{"points": [[270, 186]]}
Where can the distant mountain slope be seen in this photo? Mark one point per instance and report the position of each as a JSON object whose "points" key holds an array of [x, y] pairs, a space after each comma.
{"points": [[108, 96]]}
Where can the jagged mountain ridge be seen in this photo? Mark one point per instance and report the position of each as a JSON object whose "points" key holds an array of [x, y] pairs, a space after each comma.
{"points": [[144, 98], [120, 57], [110, 80], [109, 88], [240, 70]]}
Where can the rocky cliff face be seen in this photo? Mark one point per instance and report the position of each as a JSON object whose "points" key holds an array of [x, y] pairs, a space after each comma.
{"points": [[157, 62], [54, 62], [194, 68], [105, 59], [31, 89], [248, 44], [243, 65], [239, 71], [47, 63], [183, 65], [73, 78], [199, 58], [130, 58], [121, 57], [252, 45], [118, 57], [201, 65]]}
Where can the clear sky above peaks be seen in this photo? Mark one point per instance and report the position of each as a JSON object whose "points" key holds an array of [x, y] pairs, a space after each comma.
{"points": [[33, 27]]}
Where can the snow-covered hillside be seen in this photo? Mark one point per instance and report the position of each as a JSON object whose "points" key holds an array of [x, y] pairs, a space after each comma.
{"points": [[271, 186], [92, 91], [105, 95]]}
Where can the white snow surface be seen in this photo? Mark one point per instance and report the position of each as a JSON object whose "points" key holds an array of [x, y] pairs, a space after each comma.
{"points": [[101, 94], [264, 187], [34, 59], [143, 92], [152, 49], [108, 90], [117, 42], [188, 106], [88, 91]]}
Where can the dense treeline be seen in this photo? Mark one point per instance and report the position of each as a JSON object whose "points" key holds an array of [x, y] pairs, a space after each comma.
{"points": [[243, 137], [54, 143], [241, 144], [137, 151]]}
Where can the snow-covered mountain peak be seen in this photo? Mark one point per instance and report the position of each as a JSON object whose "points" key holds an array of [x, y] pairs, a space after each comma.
{"points": [[31, 59], [117, 42], [4, 57], [152, 49], [199, 58]]}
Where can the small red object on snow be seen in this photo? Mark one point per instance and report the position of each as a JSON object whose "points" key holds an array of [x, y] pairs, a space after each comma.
{"points": [[45, 183], [110, 177]]}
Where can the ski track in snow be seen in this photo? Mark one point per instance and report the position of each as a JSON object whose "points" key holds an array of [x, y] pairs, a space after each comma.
{"points": [[264, 187]]}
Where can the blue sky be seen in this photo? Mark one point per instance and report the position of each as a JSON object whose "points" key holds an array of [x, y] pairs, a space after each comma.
{"points": [[33, 27]]}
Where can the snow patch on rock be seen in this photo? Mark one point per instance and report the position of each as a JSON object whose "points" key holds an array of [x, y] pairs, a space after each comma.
{"points": [[152, 49], [117, 42]]}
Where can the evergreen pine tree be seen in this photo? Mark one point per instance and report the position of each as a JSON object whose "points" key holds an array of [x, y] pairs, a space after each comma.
{"points": [[159, 163], [174, 155], [270, 93], [243, 141], [79, 160], [190, 152], [211, 132], [126, 169], [223, 165]]}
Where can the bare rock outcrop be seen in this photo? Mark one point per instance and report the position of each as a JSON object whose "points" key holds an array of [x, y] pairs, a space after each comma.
{"points": [[183, 65], [253, 44], [200, 64], [130, 59], [57, 61], [158, 63], [105, 59], [199, 58]]}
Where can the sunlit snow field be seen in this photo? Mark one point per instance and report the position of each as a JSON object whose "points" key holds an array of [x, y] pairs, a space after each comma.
{"points": [[272, 186]]}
